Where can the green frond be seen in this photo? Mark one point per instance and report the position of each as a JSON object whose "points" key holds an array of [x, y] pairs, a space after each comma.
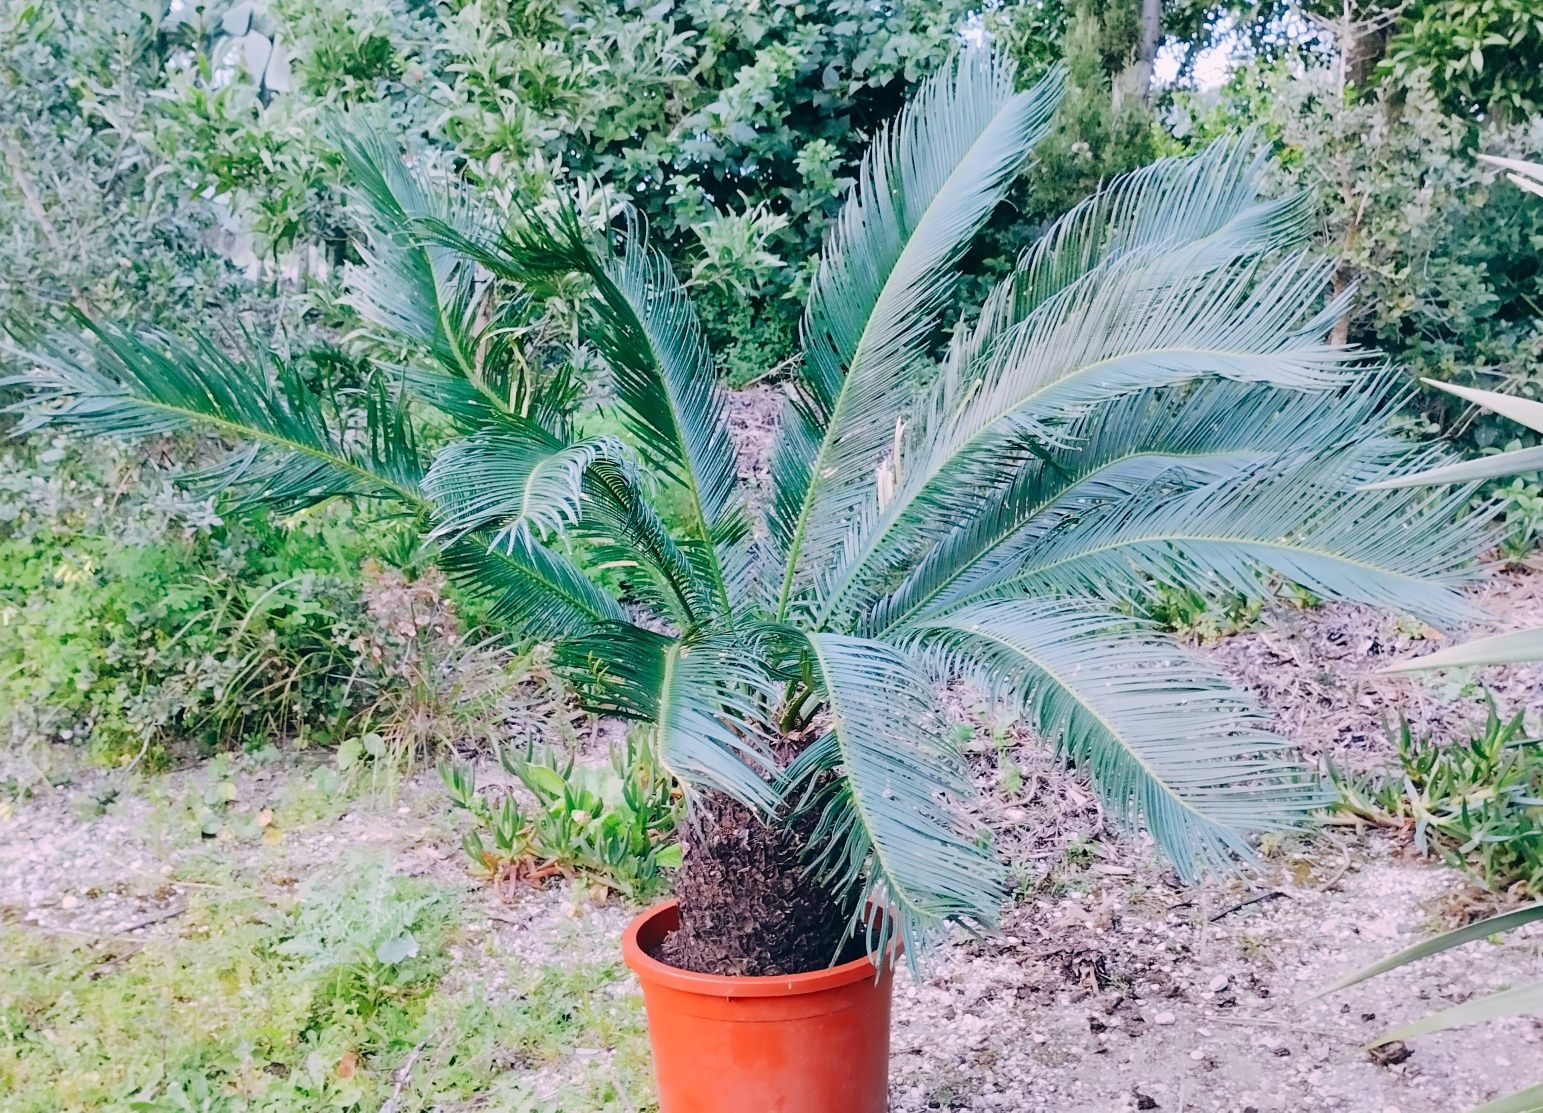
{"points": [[1148, 319], [530, 590], [1185, 437], [1213, 199], [1523, 411], [925, 188], [704, 693], [511, 484], [896, 818], [419, 281], [1167, 742], [1302, 517], [419, 290], [519, 481], [646, 329], [298, 449]]}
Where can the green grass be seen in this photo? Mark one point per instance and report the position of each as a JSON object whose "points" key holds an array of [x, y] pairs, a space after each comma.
{"points": [[311, 1001]]}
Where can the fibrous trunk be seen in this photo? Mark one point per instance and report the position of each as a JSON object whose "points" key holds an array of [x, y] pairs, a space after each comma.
{"points": [[748, 904]]}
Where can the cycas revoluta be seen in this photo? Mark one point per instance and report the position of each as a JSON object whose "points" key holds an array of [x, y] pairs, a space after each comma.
{"points": [[1148, 396]]}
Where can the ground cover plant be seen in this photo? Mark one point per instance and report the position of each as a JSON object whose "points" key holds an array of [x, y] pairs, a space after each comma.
{"points": [[301, 998], [1150, 393]]}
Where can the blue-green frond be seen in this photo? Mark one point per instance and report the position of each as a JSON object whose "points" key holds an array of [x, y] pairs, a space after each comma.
{"points": [[1168, 743]]}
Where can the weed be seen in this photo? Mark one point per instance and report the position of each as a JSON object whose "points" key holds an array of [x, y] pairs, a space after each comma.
{"points": [[251, 1006], [609, 825], [1521, 502], [1196, 614], [1477, 804]]}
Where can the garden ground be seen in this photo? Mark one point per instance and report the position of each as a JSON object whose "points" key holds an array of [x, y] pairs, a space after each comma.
{"points": [[241, 934]]}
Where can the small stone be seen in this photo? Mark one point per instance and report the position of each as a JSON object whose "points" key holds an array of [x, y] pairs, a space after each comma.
{"points": [[1197, 1055], [70, 901], [1218, 983], [1164, 1018]]}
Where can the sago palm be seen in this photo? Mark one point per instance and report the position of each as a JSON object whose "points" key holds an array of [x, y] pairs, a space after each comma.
{"points": [[1147, 397]]}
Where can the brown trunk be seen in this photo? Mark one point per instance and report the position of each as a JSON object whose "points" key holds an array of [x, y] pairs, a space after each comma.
{"points": [[747, 903]]}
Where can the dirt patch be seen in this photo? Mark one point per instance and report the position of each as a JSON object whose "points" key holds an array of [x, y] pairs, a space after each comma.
{"points": [[1128, 994], [1315, 671]]}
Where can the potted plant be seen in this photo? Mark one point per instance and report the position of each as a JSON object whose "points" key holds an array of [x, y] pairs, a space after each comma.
{"points": [[1147, 396]]}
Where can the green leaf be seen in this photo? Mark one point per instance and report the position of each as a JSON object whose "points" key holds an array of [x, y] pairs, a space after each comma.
{"points": [[397, 949], [1469, 933], [508, 483], [1523, 411], [298, 449], [1529, 1100], [547, 783], [647, 330], [669, 857], [421, 291], [1515, 647], [1306, 517], [1523, 1000], [1520, 462]]}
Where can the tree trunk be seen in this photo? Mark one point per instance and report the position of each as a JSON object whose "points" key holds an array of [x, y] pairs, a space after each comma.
{"points": [[747, 903], [1146, 47]]}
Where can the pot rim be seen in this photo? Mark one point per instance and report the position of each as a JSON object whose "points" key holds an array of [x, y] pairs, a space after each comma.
{"points": [[651, 970]]}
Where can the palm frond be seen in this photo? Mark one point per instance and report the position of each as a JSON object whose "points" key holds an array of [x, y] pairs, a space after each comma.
{"points": [[1147, 319], [895, 820], [704, 693], [1301, 516], [511, 484], [1185, 437], [419, 290], [1166, 740], [296, 452], [646, 329], [927, 185], [299, 450], [1213, 199], [518, 480], [530, 589]]}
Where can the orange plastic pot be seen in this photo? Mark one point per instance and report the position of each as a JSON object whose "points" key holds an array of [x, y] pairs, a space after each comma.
{"points": [[800, 1043]]}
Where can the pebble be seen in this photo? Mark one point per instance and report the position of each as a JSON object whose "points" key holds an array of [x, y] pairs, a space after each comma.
{"points": [[1164, 1018]]}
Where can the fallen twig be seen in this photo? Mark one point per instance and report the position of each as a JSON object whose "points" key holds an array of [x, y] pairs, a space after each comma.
{"points": [[403, 1075], [1261, 898]]}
